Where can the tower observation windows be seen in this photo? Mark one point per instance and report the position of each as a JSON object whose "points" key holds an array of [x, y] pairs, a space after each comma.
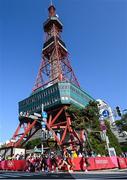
{"points": [[50, 96], [49, 23]]}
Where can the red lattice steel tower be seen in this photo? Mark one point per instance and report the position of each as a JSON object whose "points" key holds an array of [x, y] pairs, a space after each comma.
{"points": [[55, 66], [56, 87]]}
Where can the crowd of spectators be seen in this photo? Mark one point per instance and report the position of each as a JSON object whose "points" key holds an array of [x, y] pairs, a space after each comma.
{"points": [[49, 161], [20, 156]]}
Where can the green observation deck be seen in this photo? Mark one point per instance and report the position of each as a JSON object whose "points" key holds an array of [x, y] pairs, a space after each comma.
{"points": [[52, 96]]}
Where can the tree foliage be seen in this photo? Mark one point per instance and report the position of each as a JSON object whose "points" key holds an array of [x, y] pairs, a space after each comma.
{"points": [[32, 143], [113, 140], [88, 119], [37, 142], [122, 123], [85, 118]]}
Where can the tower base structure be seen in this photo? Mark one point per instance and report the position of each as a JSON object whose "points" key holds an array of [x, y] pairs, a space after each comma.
{"points": [[56, 99]]}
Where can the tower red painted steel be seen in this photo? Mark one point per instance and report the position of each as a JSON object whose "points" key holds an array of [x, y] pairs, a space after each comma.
{"points": [[55, 65]]}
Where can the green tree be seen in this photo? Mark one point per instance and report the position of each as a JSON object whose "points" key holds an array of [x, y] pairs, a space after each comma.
{"points": [[122, 123], [88, 119], [113, 141], [85, 118], [31, 144]]}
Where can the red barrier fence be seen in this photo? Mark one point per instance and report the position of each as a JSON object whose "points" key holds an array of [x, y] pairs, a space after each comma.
{"points": [[79, 164], [97, 163], [14, 165], [126, 160], [122, 162]]}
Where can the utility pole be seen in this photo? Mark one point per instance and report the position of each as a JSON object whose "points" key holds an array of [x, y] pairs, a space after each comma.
{"points": [[107, 141], [103, 128]]}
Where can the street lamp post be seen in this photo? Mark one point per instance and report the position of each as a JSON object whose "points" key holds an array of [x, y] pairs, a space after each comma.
{"points": [[103, 128], [107, 141]]}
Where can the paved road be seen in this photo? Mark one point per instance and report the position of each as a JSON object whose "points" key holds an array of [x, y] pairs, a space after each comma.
{"points": [[89, 175]]}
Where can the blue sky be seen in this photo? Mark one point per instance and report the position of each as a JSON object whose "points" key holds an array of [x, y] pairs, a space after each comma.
{"points": [[95, 32]]}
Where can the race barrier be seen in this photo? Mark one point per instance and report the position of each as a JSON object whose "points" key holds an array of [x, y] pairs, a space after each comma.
{"points": [[13, 165], [79, 164], [122, 162], [97, 163]]}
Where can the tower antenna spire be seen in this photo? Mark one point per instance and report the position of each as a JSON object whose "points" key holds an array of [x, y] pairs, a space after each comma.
{"points": [[51, 2]]}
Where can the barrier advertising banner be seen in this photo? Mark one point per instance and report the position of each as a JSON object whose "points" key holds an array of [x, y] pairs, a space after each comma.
{"points": [[79, 163], [122, 163], [14, 165]]}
